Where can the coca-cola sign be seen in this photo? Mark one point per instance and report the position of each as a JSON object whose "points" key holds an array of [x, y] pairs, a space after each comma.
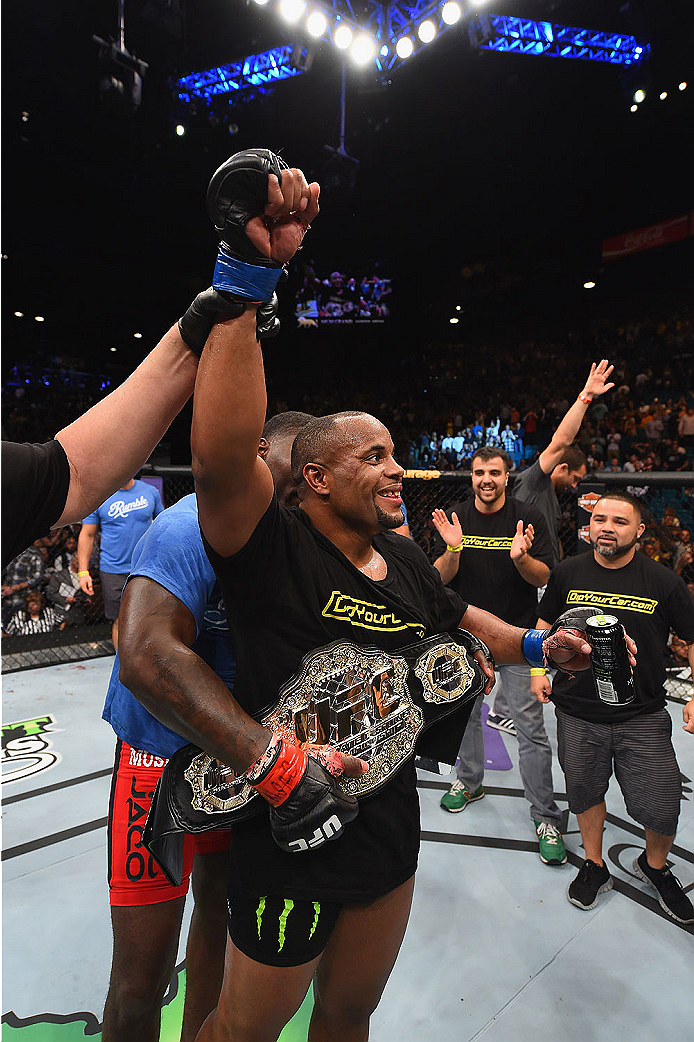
{"points": [[646, 238]]}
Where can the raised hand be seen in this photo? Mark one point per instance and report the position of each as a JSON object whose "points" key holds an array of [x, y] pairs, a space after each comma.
{"points": [[596, 384], [290, 209], [450, 531], [522, 541]]}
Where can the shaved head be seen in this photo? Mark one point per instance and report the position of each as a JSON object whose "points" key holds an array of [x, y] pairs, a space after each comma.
{"points": [[323, 438]]}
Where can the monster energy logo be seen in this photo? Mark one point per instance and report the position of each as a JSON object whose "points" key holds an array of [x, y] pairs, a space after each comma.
{"points": [[282, 919]]}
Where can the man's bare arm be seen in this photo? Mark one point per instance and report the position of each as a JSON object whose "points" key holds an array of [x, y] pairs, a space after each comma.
{"points": [[174, 684], [108, 444], [566, 432]]}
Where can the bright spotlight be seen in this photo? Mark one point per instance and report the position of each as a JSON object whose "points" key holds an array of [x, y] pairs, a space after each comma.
{"points": [[404, 47], [138, 336], [589, 285], [292, 10], [426, 31], [19, 314], [458, 307], [639, 96], [634, 108], [683, 85], [384, 52], [115, 348], [317, 23], [453, 321], [663, 95], [363, 49], [260, 3], [39, 318], [450, 13], [180, 130], [343, 37]]}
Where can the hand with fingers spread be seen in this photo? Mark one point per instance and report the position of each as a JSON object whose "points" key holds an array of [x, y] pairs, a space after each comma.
{"points": [[450, 531], [522, 541], [597, 384]]}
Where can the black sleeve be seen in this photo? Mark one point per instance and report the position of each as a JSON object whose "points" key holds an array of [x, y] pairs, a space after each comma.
{"points": [[542, 548], [680, 609], [35, 482], [552, 604]]}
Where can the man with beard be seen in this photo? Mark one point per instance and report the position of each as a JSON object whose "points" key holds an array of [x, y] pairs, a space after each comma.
{"points": [[648, 599]]}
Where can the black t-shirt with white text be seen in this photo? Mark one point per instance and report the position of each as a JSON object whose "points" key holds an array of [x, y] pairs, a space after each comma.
{"points": [[648, 599], [290, 591], [35, 482], [487, 577]]}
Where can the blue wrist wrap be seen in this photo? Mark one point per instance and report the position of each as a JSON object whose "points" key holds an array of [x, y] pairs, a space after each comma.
{"points": [[531, 645], [247, 281]]}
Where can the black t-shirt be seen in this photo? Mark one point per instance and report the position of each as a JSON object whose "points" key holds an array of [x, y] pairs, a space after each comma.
{"points": [[290, 591], [487, 577], [35, 481], [648, 599]]}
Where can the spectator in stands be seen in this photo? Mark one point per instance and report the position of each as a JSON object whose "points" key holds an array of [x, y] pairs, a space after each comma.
{"points": [[683, 545], [123, 518], [65, 595], [34, 617], [24, 573], [685, 429]]}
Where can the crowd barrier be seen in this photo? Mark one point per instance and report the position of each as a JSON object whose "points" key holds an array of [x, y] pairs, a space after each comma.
{"points": [[423, 491]]}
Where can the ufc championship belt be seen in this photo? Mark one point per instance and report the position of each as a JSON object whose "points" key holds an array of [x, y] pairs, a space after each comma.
{"points": [[365, 701]]}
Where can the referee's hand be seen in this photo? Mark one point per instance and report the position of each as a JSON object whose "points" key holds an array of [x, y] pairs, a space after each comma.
{"points": [[688, 716]]}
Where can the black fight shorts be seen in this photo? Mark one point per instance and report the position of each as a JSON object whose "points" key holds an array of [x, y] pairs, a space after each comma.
{"points": [[644, 765], [280, 931]]}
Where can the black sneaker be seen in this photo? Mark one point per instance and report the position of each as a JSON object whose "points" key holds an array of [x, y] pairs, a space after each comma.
{"points": [[591, 880], [671, 897]]}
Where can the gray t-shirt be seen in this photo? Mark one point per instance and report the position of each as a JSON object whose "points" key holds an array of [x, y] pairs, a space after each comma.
{"points": [[535, 487]]}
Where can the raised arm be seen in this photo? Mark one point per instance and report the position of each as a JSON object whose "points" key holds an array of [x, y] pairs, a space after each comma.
{"points": [[113, 439], [566, 432], [233, 484]]}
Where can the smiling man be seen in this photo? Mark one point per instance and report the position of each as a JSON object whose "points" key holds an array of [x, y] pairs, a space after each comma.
{"points": [[648, 599], [320, 883]]}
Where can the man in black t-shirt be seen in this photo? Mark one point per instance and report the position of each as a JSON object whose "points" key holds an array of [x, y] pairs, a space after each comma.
{"points": [[496, 552], [649, 600], [308, 590]]}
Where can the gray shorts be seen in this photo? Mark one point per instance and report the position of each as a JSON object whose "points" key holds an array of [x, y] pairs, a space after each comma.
{"points": [[112, 587], [644, 765]]}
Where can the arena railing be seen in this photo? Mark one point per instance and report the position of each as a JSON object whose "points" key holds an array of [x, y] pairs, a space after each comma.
{"points": [[660, 493]]}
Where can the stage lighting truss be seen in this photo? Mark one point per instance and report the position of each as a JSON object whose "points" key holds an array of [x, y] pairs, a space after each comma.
{"points": [[259, 71], [390, 28], [496, 32]]}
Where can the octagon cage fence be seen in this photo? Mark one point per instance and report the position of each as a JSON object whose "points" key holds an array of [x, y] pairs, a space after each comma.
{"points": [[664, 496]]}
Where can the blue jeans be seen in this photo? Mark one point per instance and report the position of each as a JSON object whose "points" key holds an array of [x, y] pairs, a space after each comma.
{"points": [[534, 750]]}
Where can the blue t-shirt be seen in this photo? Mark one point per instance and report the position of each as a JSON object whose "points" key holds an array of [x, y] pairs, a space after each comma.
{"points": [[171, 553], [123, 518]]}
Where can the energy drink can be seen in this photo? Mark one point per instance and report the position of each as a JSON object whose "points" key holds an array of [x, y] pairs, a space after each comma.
{"points": [[609, 661]]}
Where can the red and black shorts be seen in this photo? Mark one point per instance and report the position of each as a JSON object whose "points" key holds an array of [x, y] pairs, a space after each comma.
{"points": [[134, 878]]}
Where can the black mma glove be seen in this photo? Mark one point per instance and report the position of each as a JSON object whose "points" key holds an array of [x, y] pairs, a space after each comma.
{"points": [[538, 645], [210, 306], [237, 193], [307, 805]]}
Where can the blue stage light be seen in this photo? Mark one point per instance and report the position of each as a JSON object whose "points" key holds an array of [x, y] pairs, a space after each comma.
{"points": [[257, 70], [504, 33]]}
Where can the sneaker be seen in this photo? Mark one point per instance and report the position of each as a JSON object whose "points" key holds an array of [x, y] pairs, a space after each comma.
{"points": [[501, 723], [552, 849], [591, 880], [671, 897], [458, 797]]}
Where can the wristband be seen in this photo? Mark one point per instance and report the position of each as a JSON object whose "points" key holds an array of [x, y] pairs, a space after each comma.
{"points": [[537, 671], [531, 645], [582, 398], [455, 549], [277, 772], [245, 281], [80, 574]]}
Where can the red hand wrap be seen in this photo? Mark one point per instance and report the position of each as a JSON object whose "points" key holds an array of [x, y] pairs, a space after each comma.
{"points": [[285, 773]]}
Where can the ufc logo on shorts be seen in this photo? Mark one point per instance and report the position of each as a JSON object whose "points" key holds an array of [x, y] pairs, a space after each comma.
{"points": [[328, 830]]}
